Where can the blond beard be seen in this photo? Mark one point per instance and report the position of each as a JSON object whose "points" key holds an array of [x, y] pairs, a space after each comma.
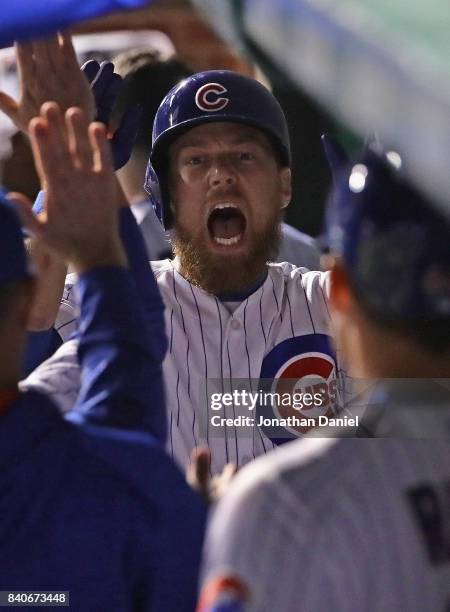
{"points": [[225, 274]]}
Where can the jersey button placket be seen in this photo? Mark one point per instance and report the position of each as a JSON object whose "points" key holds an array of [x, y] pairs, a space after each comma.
{"points": [[235, 324]]}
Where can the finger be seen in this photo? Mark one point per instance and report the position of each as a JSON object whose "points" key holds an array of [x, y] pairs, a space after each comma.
{"points": [[90, 69], [47, 57], [57, 127], [9, 106], [78, 137], [37, 125], [65, 39], [124, 137], [102, 156], [25, 62], [221, 483], [228, 472], [23, 207], [102, 79], [108, 98], [223, 480], [198, 470], [202, 465], [49, 147], [15, 196]]}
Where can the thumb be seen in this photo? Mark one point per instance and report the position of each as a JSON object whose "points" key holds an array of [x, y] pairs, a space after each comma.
{"points": [[90, 69], [125, 135], [9, 106], [24, 209], [198, 473]]}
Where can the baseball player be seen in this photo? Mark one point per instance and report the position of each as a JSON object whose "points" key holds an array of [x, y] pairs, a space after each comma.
{"points": [[76, 514], [147, 78], [219, 176], [358, 524]]}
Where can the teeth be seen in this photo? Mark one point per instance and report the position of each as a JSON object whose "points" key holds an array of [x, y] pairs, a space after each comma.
{"points": [[228, 241], [221, 206]]}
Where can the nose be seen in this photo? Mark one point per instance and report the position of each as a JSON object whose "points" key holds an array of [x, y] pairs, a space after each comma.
{"points": [[221, 173]]}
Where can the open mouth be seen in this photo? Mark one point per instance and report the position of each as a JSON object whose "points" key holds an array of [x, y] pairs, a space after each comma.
{"points": [[226, 224]]}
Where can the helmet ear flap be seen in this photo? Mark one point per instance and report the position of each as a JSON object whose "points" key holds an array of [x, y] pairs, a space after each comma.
{"points": [[153, 190]]}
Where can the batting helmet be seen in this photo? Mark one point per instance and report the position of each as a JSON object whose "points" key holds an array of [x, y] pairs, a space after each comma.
{"points": [[393, 242], [211, 96]]}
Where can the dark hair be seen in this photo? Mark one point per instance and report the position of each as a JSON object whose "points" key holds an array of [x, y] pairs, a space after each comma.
{"points": [[147, 78]]}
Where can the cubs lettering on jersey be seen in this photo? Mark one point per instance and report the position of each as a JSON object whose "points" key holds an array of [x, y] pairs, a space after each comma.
{"points": [[280, 330], [302, 364]]}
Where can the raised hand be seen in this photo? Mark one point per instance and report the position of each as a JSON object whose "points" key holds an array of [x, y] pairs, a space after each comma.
{"points": [[105, 85], [73, 158], [48, 71], [198, 476]]}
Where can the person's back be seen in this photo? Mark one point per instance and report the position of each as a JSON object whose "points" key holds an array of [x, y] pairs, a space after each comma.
{"points": [[349, 524], [73, 520]]}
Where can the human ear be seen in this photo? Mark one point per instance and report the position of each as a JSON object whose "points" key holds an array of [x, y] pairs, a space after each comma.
{"points": [[285, 186]]}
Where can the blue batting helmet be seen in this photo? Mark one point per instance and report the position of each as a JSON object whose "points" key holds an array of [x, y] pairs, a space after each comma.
{"points": [[392, 240], [215, 95]]}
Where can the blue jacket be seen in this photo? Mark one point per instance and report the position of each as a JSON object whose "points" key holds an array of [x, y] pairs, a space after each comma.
{"points": [[97, 508], [42, 344]]}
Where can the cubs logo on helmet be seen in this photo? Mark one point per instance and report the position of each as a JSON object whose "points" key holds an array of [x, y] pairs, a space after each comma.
{"points": [[300, 374], [208, 97]]}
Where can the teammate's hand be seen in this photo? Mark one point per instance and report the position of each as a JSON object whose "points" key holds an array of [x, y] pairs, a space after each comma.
{"points": [[198, 475], [106, 85], [73, 158], [48, 71]]}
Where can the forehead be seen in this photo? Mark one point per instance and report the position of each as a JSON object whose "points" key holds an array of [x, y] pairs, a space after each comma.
{"points": [[222, 133]]}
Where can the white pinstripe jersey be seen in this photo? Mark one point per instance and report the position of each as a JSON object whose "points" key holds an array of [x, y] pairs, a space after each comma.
{"points": [[285, 321], [327, 524]]}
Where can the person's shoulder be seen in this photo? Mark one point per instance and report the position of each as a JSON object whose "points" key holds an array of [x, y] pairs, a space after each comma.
{"points": [[272, 469], [66, 356], [161, 267], [310, 280], [278, 478], [58, 376]]}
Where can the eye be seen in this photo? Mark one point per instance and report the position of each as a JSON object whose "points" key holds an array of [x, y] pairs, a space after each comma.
{"points": [[245, 156], [195, 160]]}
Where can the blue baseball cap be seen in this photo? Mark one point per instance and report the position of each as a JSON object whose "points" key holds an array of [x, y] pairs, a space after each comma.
{"points": [[393, 241], [13, 259]]}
